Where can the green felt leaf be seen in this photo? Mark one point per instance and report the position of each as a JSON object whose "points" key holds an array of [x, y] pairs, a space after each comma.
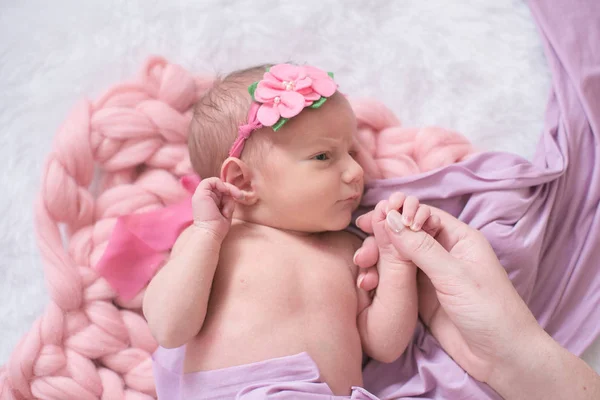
{"points": [[330, 74], [319, 102], [252, 89], [280, 123]]}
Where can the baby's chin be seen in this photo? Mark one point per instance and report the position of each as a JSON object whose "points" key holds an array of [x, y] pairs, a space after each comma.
{"points": [[335, 220], [338, 223], [341, 222]]}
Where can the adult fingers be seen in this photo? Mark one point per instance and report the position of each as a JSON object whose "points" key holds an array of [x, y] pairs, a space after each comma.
{"points": [[232, 191], [446, 229], [450, 230], [421, 248], [428, 300], [432, 226]]}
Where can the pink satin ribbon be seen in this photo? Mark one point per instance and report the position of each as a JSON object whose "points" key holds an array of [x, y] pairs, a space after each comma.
{"points": [[139, 243]]}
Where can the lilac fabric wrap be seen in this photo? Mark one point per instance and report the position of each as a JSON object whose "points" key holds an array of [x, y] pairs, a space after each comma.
{"points": [[541, 217]]}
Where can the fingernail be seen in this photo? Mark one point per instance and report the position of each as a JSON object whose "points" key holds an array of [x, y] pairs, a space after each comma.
{"points": [[355, 254], [415, 227], [357, 219], [406, 221], [360, 279], [394, 221]]}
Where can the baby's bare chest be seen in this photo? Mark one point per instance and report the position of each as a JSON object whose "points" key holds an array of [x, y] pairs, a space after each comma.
{"points": [[279, 295], [286, 269]]}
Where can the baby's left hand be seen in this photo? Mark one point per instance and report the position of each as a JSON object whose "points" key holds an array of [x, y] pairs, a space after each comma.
{"points": [[415, 216]]}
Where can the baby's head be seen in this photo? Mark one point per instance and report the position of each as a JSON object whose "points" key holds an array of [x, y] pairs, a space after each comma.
{"points": [[299, 176]]}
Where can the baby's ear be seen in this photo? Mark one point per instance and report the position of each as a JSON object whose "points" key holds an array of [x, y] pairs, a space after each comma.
{"points": [[239, 174]]}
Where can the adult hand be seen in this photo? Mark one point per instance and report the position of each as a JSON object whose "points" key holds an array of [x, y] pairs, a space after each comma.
{"points": [[414, 215], [465, 296], [469, 304]]}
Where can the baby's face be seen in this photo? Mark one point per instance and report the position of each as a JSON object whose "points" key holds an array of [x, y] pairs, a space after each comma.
{"points": [[310, 181]]}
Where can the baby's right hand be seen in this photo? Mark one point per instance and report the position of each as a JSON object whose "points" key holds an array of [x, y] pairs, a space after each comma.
{"points": [[213, 204], [415, 216], [379, 247]]}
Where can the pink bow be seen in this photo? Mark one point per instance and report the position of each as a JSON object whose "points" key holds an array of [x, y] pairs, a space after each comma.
{"points": [[244, 131]]}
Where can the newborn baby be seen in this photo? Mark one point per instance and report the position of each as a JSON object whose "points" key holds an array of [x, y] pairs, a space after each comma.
{"points": [[261, 288]]}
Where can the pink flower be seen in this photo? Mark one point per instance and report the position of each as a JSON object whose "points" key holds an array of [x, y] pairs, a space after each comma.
{"points": [[322, 83], [286, 89]]}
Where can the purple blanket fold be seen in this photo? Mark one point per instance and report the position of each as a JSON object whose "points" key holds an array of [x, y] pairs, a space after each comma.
{"points": [[542, 217]]}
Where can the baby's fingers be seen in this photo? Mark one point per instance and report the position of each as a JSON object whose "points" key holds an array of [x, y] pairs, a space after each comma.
{"points": [[395, 202], [380, 213], [368, 254], [213, 185], [365, 222], [233, 191], [409, 210], [421, 216], [228, 207], [368, 280], [379, 229]]}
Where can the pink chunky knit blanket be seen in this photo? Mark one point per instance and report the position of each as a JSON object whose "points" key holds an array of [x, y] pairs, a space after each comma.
{"points": [[124, 154]]}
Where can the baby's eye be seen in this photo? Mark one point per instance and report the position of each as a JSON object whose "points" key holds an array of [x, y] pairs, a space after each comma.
{"points": [[321, 157]]}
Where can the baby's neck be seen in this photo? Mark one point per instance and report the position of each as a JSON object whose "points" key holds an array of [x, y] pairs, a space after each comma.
{"points": [[258, 226]]}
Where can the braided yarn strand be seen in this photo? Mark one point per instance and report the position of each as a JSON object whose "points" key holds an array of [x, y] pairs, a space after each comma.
{"points": [[89, 344]]}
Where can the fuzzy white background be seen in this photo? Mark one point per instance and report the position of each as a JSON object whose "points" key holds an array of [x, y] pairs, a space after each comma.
{"points": [[475, 66]]}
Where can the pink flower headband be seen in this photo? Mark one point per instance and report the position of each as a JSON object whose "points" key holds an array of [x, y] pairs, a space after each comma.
{"points": [[284, 91]]}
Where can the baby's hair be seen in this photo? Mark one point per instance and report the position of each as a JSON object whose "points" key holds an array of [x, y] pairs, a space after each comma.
{"points": [[217, 116]]}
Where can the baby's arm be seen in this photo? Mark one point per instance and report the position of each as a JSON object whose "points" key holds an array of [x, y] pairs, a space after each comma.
{"points": [[176, 299], [387, 325]]}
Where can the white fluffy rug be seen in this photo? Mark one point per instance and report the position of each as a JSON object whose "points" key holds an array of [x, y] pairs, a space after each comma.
{"points": [[476, 66]]}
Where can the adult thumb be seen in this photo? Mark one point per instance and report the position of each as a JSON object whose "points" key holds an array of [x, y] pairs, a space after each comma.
{"points": [[419, 247]]}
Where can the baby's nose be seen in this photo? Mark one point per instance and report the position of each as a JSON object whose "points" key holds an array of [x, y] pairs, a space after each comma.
{"points": [[353, 172]]}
